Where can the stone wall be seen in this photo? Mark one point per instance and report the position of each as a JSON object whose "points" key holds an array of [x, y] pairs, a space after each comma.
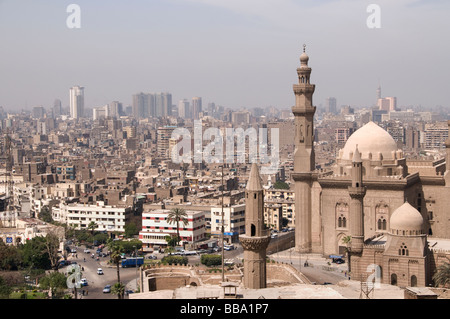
{"points": [[282, 242]]}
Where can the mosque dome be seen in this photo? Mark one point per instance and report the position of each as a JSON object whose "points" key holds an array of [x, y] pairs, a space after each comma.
{"points": [[406, 220], [371, 141]]}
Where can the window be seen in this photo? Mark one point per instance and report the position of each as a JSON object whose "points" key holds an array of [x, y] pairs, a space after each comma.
{"points": [[403, 251]]}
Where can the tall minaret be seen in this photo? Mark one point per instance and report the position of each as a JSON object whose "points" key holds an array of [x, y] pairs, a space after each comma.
{"points": [[304, 158], [256, 237], [357, 192]]}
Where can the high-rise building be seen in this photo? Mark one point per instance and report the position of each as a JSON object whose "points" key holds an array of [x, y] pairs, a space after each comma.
{"points": [[77, 102], [184, 109], [196, 107], [387, 104], [38, 112], [115, 109], [57, 108], [330, 105], [141, 105]]}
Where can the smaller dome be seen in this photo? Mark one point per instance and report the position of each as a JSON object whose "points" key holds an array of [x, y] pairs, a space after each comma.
{"points": [[304, 57], [406, 218]]}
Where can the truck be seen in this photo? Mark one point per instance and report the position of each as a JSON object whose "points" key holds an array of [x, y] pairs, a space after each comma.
{"points": [[132, 262]]}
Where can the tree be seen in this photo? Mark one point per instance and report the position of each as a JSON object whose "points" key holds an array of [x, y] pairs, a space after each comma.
{"points": [[92, 226], [5, 289], [10, 258], [116, 250], [45, 214], [442, 275], [52, 244], [176, 216], [34, 254], [280, 185], [118, 289], [347, 240], [131, 229], [55, 282]]}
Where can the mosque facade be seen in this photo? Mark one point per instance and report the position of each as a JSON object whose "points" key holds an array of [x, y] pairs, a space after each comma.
{"points": [[398, 220]]}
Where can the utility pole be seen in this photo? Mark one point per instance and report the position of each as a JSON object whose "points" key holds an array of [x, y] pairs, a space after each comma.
{"points": [[223, 234]]}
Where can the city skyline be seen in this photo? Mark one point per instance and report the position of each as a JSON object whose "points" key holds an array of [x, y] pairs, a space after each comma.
{"points": [[233, 53]]}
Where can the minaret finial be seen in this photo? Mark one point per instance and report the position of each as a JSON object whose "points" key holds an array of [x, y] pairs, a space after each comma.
{"points": [[304, 47]]}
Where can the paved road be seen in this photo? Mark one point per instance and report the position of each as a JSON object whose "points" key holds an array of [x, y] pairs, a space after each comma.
{"points": [[96, 282]]}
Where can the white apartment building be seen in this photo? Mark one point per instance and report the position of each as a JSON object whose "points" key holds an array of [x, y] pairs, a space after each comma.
{"points": [[234, 222], [76, 102], [106, 217], [155, 228]]}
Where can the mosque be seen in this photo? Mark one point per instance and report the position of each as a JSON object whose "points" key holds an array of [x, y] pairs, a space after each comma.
{"points": [[395, 211]]}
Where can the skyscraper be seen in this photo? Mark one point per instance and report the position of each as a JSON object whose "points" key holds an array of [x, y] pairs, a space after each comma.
{"points": [[184, 109], [196, 107], [331, 105], [76, 102]]}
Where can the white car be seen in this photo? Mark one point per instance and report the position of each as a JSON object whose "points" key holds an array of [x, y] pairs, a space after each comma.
{"points": [[87, 251], [99, 271]]}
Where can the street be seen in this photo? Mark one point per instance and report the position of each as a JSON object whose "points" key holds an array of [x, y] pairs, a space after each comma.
{"points": [[96, 283]]}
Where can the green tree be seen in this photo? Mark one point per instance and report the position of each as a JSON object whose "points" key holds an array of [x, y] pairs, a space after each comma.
{"points": [[56, 282], [280, 185], [118, 289], [347, 240], [442, 275], [92, 226], [45, 214], [131, 229], [10, 258], [34, 254], [115, 248], [177, 216], [5, 289]]}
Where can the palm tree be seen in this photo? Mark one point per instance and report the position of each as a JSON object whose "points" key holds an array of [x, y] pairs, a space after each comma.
{"points": [[347, 241], [116, 250], [92, 226], [177, 215], [442, 275]]}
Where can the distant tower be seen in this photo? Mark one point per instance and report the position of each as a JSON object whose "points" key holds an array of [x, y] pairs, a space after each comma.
{"points": [[304, 158], [379, 92], [357, 192], [256, 237], [76, 102]]}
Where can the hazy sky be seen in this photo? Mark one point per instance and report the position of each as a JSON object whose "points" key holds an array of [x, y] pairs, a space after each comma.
{"points": [[236, 53]]}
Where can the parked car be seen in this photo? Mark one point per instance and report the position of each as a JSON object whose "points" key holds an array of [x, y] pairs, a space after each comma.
{"points": [[340, 261], [152, 257], [83, 282], [87, 251], [107, 289], [99, 271]]}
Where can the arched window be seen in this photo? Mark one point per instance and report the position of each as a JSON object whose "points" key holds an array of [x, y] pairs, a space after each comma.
{"points": [[413, 281], [253, 230], [403, 251], [340, 222], [394, 279], [344, 222]]}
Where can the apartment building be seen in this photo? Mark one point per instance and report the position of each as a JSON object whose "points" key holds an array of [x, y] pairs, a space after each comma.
{"points": [[156, 227]]}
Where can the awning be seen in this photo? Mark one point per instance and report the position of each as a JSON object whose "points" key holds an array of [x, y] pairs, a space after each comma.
{"points": [[335, 256]]}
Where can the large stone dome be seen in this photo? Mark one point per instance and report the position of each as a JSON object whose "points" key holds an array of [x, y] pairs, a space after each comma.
{"points": [[406, 220], [370, 139]]}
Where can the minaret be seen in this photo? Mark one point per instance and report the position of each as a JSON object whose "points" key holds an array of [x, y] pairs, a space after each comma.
{"points": [[256, 237], [304, 158], [357, 192]]}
